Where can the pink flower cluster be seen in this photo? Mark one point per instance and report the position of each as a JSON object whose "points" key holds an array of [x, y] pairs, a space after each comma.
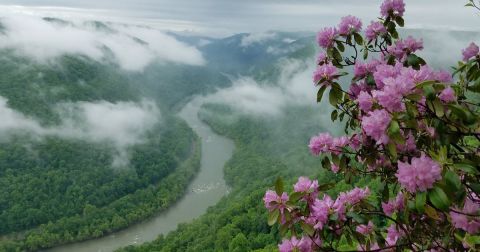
{"points": [[392, 8], [274, 201], [396, 204], [420, 175], [468, 218], [325, 73], [365, 229], [447, 95], [471, 51], [401, 48], [321, 58], [321, 209], [305, 244], [305, 185], [393, 234], [325, 143], [374, 30], [326, 37], [349, 25], [375, 125]]}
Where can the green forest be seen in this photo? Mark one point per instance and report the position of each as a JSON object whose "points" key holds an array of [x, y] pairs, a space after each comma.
{"points": [[57, 190]]}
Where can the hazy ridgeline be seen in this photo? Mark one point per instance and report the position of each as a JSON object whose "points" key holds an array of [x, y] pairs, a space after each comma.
{"points": [[90, 141]]}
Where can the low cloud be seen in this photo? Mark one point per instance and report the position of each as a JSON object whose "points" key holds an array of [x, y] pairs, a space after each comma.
{"points": [[260, 37], [293, 87], [121, 124], [133, 47]]}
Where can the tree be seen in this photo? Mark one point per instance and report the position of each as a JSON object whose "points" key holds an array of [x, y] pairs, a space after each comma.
{"points": [[413, 130]]}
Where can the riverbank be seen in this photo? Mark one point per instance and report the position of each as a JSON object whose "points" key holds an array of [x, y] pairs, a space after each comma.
{"points": [[206, 189]]}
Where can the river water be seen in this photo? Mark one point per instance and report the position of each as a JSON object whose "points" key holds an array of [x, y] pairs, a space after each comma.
{"points": [[204, 191]]}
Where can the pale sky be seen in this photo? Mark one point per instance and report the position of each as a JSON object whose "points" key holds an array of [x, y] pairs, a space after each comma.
{"points": [[224, 17]]}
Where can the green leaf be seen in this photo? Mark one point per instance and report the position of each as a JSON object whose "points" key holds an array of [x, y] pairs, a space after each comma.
{"points": [[415, 97], [279, 186], [399, 21], [340, 46], [365, 53], [439, 199], [453, 181], [294, 197], [425, 83], [307, 228], [336, 54], [420, 201], [334, 115], [438, 107], [414, 61], [392, 149], [432, 213], [358, 218], [320, 93], [385, 193], [325, 187], [472, 240], [466, 168], [475, 87], [429, 92], [335, 95], [394, 128], [358, 38], [273, 217]]}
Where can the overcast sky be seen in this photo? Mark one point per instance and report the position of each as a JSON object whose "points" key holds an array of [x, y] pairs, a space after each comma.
{"points": [[223, 17]]}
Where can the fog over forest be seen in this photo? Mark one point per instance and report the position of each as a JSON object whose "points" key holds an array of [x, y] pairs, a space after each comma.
{"points": [[159, 125]]}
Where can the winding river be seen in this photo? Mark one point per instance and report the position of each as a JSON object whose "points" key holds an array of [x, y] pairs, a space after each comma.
{"points": [[204, 191]]}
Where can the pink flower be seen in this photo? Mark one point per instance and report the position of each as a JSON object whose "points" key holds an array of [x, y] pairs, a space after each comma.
{"points": [[392, 7], [305, 185], [375, 125], [326, 37], [355, 142], [388, 208], [335, 168], [443, 76], [384, 71], [447, 95], [404, 47], [365, 101], [321, 143], [320, 211], [394, 205], [321, 58], [470, 224], [303, 245], [339, 143], [393, 235], [273, 201], [360, 69], [325, 72], [420, 175], [412, 45], [390, 98], [349, 24], [417, 76], [409, 145], [365, 229], [374, 30], [471, 51]]}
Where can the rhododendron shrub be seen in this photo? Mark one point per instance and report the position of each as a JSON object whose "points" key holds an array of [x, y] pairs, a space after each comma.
{"points": [[413, 128]]}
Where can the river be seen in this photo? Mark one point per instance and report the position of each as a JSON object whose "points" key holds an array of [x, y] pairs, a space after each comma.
{"points": [[205, 190]]}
